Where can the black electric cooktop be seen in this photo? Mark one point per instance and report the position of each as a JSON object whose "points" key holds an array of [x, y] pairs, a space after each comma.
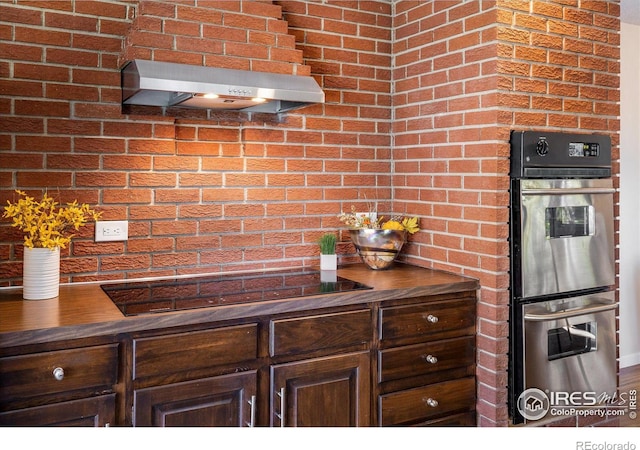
{"points": [[147, 297]]}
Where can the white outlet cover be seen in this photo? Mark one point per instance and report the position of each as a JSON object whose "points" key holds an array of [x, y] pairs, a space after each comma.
{"points": [[112, 230]]}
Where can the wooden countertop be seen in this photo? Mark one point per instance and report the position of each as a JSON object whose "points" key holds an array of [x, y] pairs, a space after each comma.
{"points": [[84, 310]]}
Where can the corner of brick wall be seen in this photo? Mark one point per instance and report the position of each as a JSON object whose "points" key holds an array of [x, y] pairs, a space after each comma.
{"points": [[465, 75]]}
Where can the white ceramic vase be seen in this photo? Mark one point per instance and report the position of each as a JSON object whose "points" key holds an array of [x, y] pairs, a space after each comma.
{"points": [[329, 262], [41, 273]]}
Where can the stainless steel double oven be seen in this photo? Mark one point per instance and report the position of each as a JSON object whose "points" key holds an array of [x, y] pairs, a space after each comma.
{"points": [[562, 274]]}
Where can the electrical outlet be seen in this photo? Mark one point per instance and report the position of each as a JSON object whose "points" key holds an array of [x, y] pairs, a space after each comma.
{"points": [[112, 230]]}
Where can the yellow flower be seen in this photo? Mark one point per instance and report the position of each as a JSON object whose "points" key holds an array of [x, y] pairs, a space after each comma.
{"points": [[392, 225], [410, 224], [44, 223]]}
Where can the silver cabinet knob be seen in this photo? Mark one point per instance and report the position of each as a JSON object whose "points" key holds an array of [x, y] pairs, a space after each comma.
{"points": [[431, 318], [431, 402], [430, 359], [58, 373]]}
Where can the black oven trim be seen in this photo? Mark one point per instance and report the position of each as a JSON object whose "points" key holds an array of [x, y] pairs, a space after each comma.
{"points": [[528, 162]]}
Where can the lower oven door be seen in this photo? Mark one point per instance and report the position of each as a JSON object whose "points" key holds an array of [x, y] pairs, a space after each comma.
{"points": [[570, 351], [566, 236]]}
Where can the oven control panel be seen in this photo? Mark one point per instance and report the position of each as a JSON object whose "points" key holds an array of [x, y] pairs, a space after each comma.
{"points": [[541, 154], [583, 149]]}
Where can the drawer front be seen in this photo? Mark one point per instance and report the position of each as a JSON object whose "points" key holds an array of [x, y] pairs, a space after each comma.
{"points": [[423, 359], [38, 374], [428, 321], [307, 334], [97, 411], [467, 419], [193, 350], [420, 404]]}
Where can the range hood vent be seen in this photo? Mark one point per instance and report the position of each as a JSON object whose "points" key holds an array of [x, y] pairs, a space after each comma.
{"points": [[154, 83]]}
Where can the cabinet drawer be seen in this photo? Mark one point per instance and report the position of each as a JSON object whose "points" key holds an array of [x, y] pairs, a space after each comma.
{"points": [[34, 375], [467, 419], [422, 359], [307, 334], [427, 402], [193, 350], [97, 411], [428, 321]]}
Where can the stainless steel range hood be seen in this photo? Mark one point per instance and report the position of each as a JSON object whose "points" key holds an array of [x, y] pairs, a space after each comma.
{"points": [[154, 83]]}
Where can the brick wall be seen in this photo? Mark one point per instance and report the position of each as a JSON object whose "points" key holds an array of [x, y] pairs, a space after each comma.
{"points": [[202, 192], [465, 74], [420, 102], [451, 162]]}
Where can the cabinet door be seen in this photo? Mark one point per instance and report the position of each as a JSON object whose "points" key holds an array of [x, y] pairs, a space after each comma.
{"points": [[223, 401], [331, 391], [88, 412]]}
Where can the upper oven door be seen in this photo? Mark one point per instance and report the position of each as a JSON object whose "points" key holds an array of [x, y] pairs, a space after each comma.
{"points": [[566, 235]]}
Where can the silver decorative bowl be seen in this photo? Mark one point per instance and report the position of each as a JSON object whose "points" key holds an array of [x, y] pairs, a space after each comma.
{"points": [[378, 248]]}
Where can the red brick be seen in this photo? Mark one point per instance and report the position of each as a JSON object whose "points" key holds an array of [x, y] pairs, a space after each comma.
{"points": [[199, 211], [126, 196], [150, 245], [152, 179], [152, 212], [177, 195], [44, 179]]}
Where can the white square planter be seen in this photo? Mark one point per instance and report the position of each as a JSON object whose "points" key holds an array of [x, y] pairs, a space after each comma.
{"points": [[329, 262]]}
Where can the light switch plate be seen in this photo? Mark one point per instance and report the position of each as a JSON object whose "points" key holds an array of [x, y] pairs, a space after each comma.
{"points": [[112, 230]]}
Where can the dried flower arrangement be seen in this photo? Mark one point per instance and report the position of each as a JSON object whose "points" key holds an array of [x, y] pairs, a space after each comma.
{"points": [[364, 220]]}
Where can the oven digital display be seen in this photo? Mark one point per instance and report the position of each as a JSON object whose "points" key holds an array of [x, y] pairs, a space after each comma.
{"points": [[583, 149]]}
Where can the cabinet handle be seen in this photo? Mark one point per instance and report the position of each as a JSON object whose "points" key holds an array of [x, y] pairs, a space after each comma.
{"points": [[430, 359], [282, 407], [252, 420], [58, 373], [431, 402], [432, 319]]}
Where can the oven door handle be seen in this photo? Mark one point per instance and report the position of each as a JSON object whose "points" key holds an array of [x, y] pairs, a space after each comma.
{"points": [[568, 191], [571, 313]]}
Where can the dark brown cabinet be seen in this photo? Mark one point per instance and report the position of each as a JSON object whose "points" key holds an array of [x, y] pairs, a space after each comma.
{"points": [[223, 401], [426, 362], [88, 412], [426, 402], [402, 362], [332, 391], [190, 351], [196, 378], [317, 390], [72, 387]]}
